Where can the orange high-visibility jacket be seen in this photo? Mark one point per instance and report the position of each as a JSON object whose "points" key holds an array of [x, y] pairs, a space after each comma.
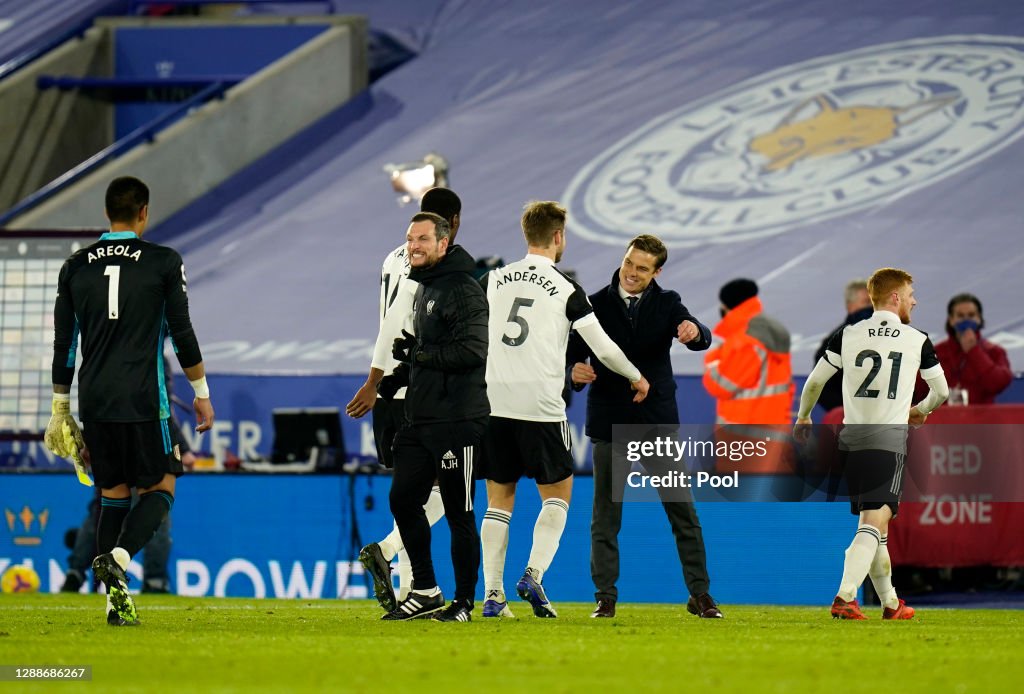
{"points": [[750, 372]]}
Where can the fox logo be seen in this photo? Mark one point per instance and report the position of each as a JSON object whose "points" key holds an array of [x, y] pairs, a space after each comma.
{"points": [[827, 129], [808, 142]]}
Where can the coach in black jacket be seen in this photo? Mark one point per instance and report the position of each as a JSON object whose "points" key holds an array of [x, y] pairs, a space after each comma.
{"points": [[644, 320], [446, 411]]}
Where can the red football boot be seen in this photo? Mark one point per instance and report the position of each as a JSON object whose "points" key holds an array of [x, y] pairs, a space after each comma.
{"points": [[847, 610], [902, 611]]}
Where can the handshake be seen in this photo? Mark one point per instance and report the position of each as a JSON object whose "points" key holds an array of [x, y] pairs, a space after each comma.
{"points": [[63, 437]]}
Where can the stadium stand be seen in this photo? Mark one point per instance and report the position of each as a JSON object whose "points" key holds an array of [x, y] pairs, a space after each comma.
{"points": [[30, 28], [557, 102], [797, 144]]}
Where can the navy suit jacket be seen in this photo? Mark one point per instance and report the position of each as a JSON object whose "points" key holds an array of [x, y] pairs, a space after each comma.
{"points": [[647, 342]]}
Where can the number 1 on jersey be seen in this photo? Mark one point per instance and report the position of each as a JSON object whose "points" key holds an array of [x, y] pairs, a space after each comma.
{"points": [[114, 273]]}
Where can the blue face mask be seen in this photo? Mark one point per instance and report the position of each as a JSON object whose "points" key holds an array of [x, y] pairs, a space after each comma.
{"points": [[966, 325]]}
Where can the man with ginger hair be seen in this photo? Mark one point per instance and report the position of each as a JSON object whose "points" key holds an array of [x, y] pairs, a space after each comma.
{"points": [[879, 357]]}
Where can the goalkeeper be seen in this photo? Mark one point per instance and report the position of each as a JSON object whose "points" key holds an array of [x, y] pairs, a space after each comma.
{"points": [[123, 296]]}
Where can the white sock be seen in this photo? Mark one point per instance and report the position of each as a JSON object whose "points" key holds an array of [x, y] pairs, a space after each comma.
{"points": [[404, 574], [546, 535], [434, 507], [859, 556], [122, 557], [110, 605], [881, 575], [429, 593], [494, 540], [392, 544]]}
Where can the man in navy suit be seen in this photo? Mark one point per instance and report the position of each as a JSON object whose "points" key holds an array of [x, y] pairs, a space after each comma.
{"points": [[644, 320]]}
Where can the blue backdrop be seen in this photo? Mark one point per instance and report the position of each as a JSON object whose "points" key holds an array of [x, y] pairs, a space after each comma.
{"points": [[244, 405], [291, 536]]}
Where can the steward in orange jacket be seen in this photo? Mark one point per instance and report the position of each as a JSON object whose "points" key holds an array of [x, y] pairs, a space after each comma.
{"points": [[751, 377]]}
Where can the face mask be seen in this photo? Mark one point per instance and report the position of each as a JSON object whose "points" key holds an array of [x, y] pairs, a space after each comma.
{"points": [[966, 325]]}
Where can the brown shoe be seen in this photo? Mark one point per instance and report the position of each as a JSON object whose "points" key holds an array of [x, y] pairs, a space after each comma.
{"points": [[704, 606], [605, 608]]}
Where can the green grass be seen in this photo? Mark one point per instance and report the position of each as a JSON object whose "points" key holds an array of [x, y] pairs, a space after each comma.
{"points": [[275, 645]]}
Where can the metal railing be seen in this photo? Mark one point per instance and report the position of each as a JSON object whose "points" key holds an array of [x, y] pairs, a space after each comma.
{"points": [[18, 62], [145, 133]]}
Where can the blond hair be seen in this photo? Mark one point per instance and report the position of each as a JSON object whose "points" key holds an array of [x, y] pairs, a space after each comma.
{"points": [[541, 219]]}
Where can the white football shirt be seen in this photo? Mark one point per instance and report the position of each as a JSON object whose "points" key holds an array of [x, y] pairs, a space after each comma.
{"points": [[880, 358], [395, 309], [394, 270], [533, 306]]}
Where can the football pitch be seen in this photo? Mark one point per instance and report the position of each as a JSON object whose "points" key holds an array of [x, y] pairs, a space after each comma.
{"points": [[196, 644]]}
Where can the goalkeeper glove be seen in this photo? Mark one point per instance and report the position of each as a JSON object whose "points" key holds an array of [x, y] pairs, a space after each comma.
{"points": [[63, 437]]}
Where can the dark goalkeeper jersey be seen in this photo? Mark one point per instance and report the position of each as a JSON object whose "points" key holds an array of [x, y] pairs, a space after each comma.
{"points": [[123, 296]]}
